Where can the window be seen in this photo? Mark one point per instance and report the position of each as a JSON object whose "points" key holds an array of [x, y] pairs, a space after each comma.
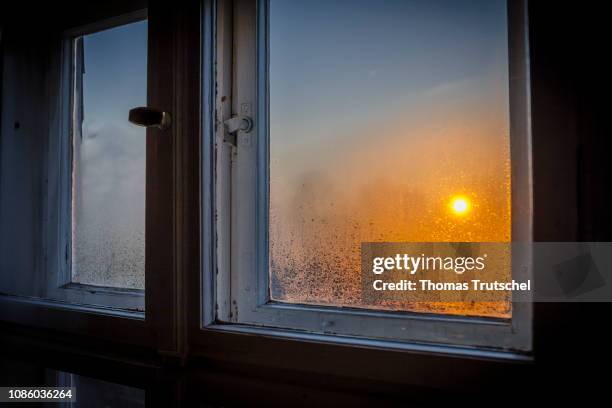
{"points": [[87, 241], [382, 122], [379, 118], [93, 207], [108, 158], [103, 170]]}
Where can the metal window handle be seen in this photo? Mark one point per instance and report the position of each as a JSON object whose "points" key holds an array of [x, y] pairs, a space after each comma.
{"points": [[149, 117], [243, 123], [236, 124]]}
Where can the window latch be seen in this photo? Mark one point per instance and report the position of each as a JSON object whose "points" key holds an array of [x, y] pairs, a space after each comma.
{"points": [[236, 124]]}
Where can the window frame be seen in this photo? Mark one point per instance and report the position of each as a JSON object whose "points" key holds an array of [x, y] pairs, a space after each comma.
{"points": [[172, 190], [59, 281], [50, 304], [229, 303]]}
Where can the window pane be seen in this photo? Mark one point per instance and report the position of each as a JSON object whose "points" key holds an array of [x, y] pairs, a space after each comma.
{"points": [[108, 180], [381, 115]]}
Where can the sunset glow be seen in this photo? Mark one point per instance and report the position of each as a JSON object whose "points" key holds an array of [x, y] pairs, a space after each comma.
{"points": [[460, 205], [394, 133]]}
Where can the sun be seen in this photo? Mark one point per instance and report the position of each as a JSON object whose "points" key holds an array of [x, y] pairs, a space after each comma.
{"points": [[460, 205]]}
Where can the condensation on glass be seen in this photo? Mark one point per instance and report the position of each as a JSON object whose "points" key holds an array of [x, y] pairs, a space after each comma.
{"points": [[382, 115], [108, 157]]}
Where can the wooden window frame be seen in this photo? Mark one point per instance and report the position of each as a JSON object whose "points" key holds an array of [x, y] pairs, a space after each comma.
{"points": [[228, 279], [172, 191], [59, 281], [182, 256]]}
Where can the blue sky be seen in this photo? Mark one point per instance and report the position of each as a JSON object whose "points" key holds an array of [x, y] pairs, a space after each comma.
{"points": [[340, 62], [115, 72]]}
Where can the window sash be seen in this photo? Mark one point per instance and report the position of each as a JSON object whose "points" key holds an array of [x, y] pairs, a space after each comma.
{"points": [[238, 290], [59, 284]]}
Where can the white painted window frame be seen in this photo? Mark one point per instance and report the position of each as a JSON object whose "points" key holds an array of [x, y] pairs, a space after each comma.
{"points": [[59, 285], [235, 206]]}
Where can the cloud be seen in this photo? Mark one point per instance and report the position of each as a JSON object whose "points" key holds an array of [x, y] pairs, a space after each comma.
{"points": [[448, 87]]}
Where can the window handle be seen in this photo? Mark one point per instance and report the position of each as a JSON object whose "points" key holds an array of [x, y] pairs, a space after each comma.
{"points": [[149, 117], [236, 124], [243, 123]]}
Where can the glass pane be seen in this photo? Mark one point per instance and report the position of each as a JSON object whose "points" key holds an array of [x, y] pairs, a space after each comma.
{"points": [[108, 179], [389, 122]]}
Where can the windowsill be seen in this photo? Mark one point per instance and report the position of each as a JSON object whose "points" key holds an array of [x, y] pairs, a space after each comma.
{"points": [[107, 324], [59, 305], [419, 348], [106, 290]]}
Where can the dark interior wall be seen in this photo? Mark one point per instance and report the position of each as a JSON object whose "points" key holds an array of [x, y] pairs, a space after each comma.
{"points": [[23, 137], [590, 72], [40, 17], [571, 121], [572, 172]]}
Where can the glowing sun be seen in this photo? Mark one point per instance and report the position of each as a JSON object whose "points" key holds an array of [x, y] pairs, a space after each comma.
{"points": [[460, 205]]}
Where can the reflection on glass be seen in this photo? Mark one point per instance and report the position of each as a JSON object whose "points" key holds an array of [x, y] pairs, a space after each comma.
{"points": [[96, 393], [108, 177], [388, 123]]}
